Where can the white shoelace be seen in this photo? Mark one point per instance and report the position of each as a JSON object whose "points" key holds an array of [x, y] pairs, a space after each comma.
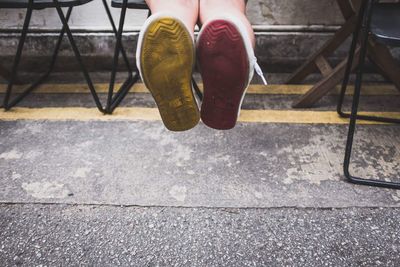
{"points": [[260, 73]]}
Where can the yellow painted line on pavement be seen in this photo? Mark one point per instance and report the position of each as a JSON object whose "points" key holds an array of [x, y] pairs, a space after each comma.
{"points": [[79, 114], [371, 89], [304, 117], [302, 89], [152, 114], [73, 88]]}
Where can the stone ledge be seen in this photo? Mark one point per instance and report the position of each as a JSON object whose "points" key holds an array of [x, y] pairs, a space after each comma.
{"points": [[277, 51]]}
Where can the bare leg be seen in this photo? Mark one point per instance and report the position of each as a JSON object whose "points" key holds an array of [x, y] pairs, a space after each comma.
{"points": [[210, 9], [185, 10]]}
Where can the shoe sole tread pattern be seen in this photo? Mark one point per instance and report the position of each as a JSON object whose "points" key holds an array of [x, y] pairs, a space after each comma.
{"points": [[167, 58], [224, 66]]}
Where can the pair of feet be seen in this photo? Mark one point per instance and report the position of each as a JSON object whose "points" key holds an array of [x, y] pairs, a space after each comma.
{"points": [[166, 56]]}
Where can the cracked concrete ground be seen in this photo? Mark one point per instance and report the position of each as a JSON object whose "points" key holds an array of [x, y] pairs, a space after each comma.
{"points": [[125, 193], [141, 163]]}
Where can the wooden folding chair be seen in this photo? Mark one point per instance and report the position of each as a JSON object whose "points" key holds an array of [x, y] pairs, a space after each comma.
{"points": [[332, 76]]}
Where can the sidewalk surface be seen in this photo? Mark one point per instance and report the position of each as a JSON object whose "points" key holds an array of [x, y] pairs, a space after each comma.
{"points": [[122, 190]]}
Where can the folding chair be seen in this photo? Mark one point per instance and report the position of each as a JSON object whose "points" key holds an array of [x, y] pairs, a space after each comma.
{"points": [[380, 21], [31, 5], [124, 5], [333, 75]]}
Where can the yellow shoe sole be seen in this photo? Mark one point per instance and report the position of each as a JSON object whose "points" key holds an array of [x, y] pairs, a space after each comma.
{"points": [[167, 58]]}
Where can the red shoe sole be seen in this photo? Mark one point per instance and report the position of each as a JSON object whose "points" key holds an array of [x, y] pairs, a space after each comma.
{"points": [[224, 67]]}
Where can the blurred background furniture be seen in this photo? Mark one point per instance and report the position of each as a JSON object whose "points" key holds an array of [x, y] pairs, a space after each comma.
{"points": [[30, 6], [378, 53], [379, 22]]}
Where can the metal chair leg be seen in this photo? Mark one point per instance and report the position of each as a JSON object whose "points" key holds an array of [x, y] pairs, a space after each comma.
{"points": [[37, 83], [350, 60], [78, 56], [58, 44], [120, 95], [114, 101], [348, 72], [115, 31], [197, 90], [17, 58], [354, 110]]}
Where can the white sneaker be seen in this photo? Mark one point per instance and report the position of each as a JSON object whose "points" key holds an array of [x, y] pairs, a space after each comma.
{"points": [[165, 58], [227, 64]]}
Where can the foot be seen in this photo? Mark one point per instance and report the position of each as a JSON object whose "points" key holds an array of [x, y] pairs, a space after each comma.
{"points": [[165, 58], [226, 60]]}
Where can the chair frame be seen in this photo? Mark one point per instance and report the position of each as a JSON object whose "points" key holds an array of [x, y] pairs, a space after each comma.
{"points": [[114, 101], [333, 75], [360, 36], [111, 102]]}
